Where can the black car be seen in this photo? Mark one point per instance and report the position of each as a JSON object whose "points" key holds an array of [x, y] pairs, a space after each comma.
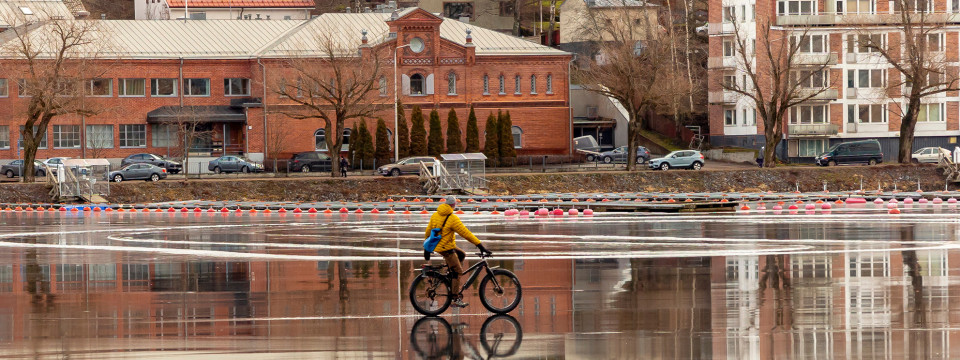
{"points": [[172, 167], [138, 172], [15, 167], [863, 152], [309, 161]]}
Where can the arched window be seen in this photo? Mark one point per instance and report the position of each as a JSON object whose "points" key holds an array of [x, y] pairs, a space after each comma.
{"points": [[516, 84], [533, 84], [452, 83], [416, 84], [320, 139], [346, 140], [486, 84], [383, 86], [517, 137], [503, 85]]}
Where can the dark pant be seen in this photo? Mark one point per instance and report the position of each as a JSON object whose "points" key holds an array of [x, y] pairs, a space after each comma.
{"points": [[454, 259], [343, 171]]}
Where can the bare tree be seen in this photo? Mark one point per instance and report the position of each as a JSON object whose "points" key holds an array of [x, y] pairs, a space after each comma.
{"points": [[58, 63], [778, 77], [919, 61], [184, 127], [337, 86], [98, 142], [278, 139], [630, 65]]}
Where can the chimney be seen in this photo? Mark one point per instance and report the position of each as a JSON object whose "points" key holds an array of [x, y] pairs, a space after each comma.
{"points": [[469, 37], [103, 16], [347, 10], [363, 39]]}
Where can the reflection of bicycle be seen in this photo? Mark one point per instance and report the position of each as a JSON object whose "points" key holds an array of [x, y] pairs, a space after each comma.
{"points": [[434, 338], [499, 290]]}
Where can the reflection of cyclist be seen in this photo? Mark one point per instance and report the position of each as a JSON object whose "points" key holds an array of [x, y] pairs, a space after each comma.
{"points": [[447, 246]]}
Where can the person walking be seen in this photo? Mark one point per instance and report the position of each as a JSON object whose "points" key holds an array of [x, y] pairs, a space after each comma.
{"points": [[760, 156], [343, 166]]}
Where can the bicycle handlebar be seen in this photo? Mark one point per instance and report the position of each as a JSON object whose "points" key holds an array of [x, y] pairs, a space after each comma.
{"points": [[484, 255]]}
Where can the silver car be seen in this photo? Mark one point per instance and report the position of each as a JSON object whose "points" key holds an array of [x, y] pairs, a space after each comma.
{"points": [[690, 159], [930, 155]]}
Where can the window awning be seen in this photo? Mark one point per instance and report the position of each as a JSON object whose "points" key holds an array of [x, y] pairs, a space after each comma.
{"points": [[199, 113]]}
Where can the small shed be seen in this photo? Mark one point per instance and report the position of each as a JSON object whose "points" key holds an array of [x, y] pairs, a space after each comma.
{"points": [[459, 172], [85, 179]]}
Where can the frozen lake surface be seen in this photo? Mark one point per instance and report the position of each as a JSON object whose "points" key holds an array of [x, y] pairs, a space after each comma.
{"points": [[853, 283]]}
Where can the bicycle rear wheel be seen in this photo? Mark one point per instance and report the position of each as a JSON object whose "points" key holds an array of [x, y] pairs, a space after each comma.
{"points": [[502, 297], [430, 295], [501, 335]]}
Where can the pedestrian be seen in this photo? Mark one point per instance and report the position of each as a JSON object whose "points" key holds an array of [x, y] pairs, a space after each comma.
{"points": [[760, 156], [343, 166]]}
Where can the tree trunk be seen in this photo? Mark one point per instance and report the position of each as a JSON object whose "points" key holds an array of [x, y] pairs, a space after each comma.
{"points": [[686, 37], [553, 22], [29, 154], [516, 17], [907, 125], [633, 133], [772, 137]]}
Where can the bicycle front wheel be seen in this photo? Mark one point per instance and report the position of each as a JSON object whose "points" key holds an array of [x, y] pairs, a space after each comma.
{"points": [[501, 335], [504, 295], [430, 295]]}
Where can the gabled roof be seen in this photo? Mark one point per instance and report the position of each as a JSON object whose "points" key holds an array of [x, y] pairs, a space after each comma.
{"points": [[18, 12], [242, 3]]}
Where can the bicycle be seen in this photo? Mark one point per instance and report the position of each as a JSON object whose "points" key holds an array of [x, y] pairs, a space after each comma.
{"points": [[434, 338], [430, 291]]}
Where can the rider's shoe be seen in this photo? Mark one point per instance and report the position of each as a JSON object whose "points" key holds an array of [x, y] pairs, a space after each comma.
{"points": [[459, 303]]}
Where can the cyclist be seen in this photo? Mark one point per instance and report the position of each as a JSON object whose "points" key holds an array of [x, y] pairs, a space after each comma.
{"points": [[447, 247]]}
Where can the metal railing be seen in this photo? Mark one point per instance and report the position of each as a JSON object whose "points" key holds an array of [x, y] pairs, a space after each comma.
{"points": [[812, 129]]}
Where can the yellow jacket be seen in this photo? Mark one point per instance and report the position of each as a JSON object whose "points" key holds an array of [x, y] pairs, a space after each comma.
{"points": [[454, 225]]}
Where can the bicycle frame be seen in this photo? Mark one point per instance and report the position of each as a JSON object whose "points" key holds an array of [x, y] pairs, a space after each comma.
{"points": [[476, 273]]}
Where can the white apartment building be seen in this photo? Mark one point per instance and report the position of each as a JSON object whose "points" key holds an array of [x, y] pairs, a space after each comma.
{"points": [[223, 9]]}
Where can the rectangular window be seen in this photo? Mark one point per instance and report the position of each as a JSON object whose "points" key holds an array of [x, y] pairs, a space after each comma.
{"points": [[4, 89], [533, 84], [66, 136], [196, 87], [730, 117], [812, 79], [457, 10], [241, 87], [99, 137], [163, 87], [813, 44], [730, 81], [132, 136], [812, 147], [132, 87], [100, 87], [383, 86], [486, 84], [856, 7], [796, 7], [866, 78], [43, 140], [809, 114], [865, 43], [931, 113], [934, 42], [728, 49], [4, 137], [550, 84], [729, 14], [867, 113], [516, 85], [503, 85], [163, 135]]}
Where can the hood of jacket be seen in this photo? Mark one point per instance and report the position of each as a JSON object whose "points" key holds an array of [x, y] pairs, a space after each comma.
{"points": [[444, 210]]}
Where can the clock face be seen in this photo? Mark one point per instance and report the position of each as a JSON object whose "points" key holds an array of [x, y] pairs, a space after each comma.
{"points": [[416, 45]]}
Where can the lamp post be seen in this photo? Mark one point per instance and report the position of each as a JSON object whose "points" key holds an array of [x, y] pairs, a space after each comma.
{"points": [[396, 99]]}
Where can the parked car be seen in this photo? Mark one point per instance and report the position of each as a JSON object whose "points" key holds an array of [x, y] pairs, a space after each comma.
{"points": [[54, 163], [690, 159], [930, 155], [15, 167], [138, 172], [410, 165], [863, 151], [309, 161], [231, 163], [619, 155], [172, 167]]}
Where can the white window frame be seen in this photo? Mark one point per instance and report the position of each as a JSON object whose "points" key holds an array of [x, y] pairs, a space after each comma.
{"points": [[90, 87], [486, 84], [188, 87], [810, 80], [124, 132], [854, 80], [228, 86], [155, 85], [799, 112], [517, 84], [4, 88], [94, 132], [728, 49], [807, 44], [730, 117], [43, 141], [4, 137], [451, 83], [66, 136], [163, 135], [517, 134], [533, 84], [319, 135], [503, 85], [784, 7], [729, 13], [854, 111], [923, 115], [843, 9], [819, 146], [124, 87], [549, 84]]}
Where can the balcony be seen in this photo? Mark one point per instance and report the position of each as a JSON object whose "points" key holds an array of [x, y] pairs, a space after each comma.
{"points": [[726, 62], [722, 97], [812, 129], [863, 19], [824, 94], [720, 29], [815, 59]]}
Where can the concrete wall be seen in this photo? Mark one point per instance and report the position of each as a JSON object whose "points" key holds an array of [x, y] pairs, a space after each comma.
{"points": [[608, 108], [718, 154]]}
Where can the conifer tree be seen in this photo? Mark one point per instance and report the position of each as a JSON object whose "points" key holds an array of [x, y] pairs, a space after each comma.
{"points": [[435, 142], [506, 136], [418, 134], [382, 153], [473, 133], [454, 145], [491, 143], [403, 133]]}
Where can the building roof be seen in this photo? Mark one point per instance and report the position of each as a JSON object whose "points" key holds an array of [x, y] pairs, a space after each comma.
{"points": [[242, 3], [617, 3], [17, 12]]}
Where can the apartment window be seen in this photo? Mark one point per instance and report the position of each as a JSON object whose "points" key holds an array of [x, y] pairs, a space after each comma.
{"points": [[4, 89], [66, 136], [728, 49], [196, 87], [550, 84], [132, 136], [163, 87], [815, 79], [730, 117], [383, 86], [729, 14], [163, 135], [100, 87], [865, 43], [730, 81], [795, 7], [855, 7], [43, 140], [99, 136], [812, 147], [533, 84], [235, 87], [931, 113], [867, 113], [809, 114], [749, 117], [934, 42], [4, 137], [486, 84], [816, 44], [451, 83], [132, 87], [503, 85], [866, 78], [869, 265], [516, 85], [914, 6]]}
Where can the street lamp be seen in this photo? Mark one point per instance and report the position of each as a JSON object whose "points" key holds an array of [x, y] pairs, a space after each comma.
{"points": [[396, 114]]}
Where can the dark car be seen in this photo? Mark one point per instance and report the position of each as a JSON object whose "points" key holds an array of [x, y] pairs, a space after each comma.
{"points": [[138, 172], [853, 152], [233, 163], [619, 155], [172, 167], [309, 161], [15, 167]]}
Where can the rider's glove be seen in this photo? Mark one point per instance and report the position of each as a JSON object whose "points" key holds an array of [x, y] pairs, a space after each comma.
{"points": [[484, 250], [426, 255]]}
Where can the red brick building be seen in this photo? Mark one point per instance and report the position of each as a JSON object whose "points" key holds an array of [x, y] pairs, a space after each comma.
{"points": [[217, 68]]}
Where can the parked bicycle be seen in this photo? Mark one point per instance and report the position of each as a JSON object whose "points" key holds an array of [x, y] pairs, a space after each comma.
{"points": [[430, 292], [434, 338]]}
